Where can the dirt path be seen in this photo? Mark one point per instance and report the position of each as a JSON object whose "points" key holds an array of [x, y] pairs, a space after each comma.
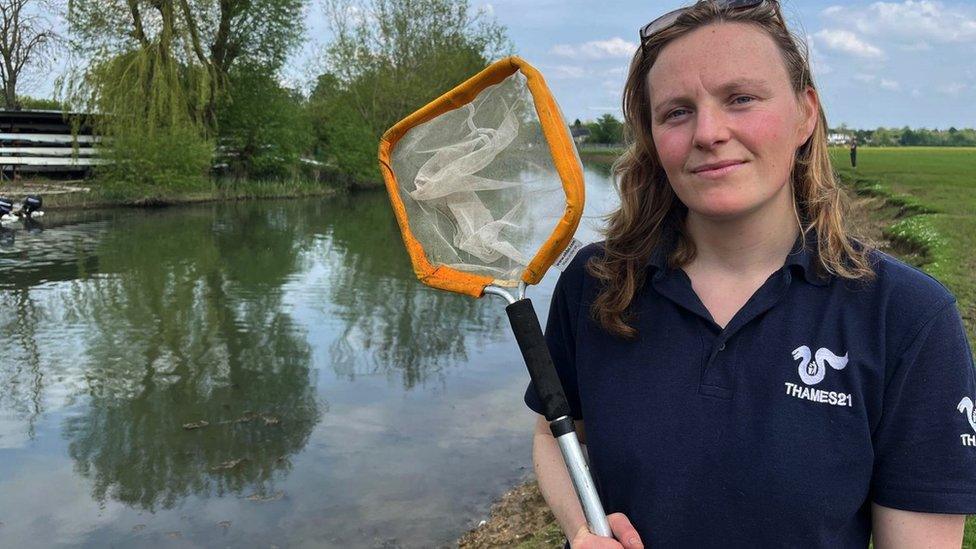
{"points": [[522, 519]]}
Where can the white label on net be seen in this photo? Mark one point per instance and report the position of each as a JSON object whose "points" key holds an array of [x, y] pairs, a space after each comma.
{"points": [[568, 254]]}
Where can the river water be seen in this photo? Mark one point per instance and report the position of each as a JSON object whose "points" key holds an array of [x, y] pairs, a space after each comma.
{"points": [[262, 373]]}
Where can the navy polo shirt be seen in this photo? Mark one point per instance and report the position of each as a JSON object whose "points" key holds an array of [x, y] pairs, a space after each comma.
{"points": [[819, 397]]}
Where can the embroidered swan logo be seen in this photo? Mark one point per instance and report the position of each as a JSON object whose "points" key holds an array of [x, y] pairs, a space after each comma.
{"points": [[813, 372], [966, 407]]}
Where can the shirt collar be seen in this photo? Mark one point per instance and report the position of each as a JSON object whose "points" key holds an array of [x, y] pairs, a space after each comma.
{"points": [[659, 257], [802, 256]]}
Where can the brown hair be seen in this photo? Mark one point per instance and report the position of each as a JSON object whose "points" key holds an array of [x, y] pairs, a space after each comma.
{"points": [[649, 208]]}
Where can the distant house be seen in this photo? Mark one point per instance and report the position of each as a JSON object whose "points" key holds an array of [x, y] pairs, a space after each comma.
{"points": [[839, 138], [580, 133]]}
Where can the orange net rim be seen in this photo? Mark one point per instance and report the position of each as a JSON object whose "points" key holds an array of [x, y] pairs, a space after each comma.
{"points": [[564, 159]]}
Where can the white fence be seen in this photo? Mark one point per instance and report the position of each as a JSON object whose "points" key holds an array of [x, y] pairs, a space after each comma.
{"points": [[39, 141]]}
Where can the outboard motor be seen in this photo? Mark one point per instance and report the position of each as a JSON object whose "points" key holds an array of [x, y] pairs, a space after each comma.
{"points": [[7, 214], [32, 206]]}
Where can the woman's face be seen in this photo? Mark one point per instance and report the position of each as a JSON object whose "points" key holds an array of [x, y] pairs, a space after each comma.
{"points": [[721, 98]]}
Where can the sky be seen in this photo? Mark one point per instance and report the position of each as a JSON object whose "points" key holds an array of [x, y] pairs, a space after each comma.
{"points": [[876, 63], [890, 63]]}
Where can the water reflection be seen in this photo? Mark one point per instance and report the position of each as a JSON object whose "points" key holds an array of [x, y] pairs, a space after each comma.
{"points": [[169, 341], [271, 364], [391, 324], [21, 384], [189, 332]]}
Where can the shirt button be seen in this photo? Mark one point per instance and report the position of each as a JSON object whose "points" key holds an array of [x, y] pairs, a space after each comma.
{"points": [[721, 347]]}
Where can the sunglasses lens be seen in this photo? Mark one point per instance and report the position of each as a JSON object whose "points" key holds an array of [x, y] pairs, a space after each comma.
{"points": [[669, 18], [732, 4], [660, 23]]}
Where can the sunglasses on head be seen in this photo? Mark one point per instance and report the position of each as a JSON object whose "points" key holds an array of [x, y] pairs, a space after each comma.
{"points": [[668, 19]]}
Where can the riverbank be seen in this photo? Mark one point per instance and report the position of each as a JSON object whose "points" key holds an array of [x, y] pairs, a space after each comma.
{"points": [[917, 204], [84, 194], [602, 158]]}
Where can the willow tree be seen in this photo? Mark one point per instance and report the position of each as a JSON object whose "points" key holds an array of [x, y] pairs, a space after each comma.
{"points": [[156, 70]]}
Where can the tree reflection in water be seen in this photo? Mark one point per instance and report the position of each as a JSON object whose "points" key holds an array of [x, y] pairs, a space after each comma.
{"points": [[190, 330], [22, 381], [187, 315], [392, 324]]}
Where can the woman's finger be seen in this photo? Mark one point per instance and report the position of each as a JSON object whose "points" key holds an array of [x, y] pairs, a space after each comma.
{"points": [[624, 531], [585, 539]]}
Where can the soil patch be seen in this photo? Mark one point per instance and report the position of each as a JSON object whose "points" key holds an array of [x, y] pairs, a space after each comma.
{"points": [[520, 518]]}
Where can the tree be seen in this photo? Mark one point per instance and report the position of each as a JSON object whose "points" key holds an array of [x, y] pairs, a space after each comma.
{"points": [[211, 34], [26, 39], [342, 140], [389, 58], [607, 130], [264, 125], [157, 69], [909, 137]]}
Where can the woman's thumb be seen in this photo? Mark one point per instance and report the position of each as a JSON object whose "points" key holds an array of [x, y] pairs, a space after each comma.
{"points": [[624, 531]]}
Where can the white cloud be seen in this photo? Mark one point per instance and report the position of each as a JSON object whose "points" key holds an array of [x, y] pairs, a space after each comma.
{"points": [[848, 42], [613, 88], [952, 88], [817, 64], [567, 72], [883, 83], [564, 50], [597, 49], [921, 45], [909, 22], [890, 85]]}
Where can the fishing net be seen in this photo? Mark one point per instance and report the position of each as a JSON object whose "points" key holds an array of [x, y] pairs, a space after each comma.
{"points": [[485, 181], [488, 190]]}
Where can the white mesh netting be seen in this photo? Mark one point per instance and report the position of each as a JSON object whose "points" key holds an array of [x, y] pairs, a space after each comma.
{"points": [[479, 185]]}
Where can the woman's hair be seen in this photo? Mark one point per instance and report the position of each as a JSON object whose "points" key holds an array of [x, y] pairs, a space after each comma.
{"points": [[650, 210]]}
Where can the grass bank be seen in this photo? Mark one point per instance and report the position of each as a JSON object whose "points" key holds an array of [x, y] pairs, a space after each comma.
{"points": [[601, 158], [918, 202]]}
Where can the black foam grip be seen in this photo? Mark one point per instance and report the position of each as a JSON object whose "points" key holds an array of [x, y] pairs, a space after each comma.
{"points": [[562, 426], [528, 334]]}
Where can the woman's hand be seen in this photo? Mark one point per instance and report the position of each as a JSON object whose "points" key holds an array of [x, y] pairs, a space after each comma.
{"points": [[624, 533]]}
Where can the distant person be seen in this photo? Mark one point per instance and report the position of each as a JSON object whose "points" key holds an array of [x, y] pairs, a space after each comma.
{"points": [[854, 152], [744, 371]]}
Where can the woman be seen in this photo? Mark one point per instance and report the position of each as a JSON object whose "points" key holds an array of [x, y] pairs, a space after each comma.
{"points": [[748, 373]]}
